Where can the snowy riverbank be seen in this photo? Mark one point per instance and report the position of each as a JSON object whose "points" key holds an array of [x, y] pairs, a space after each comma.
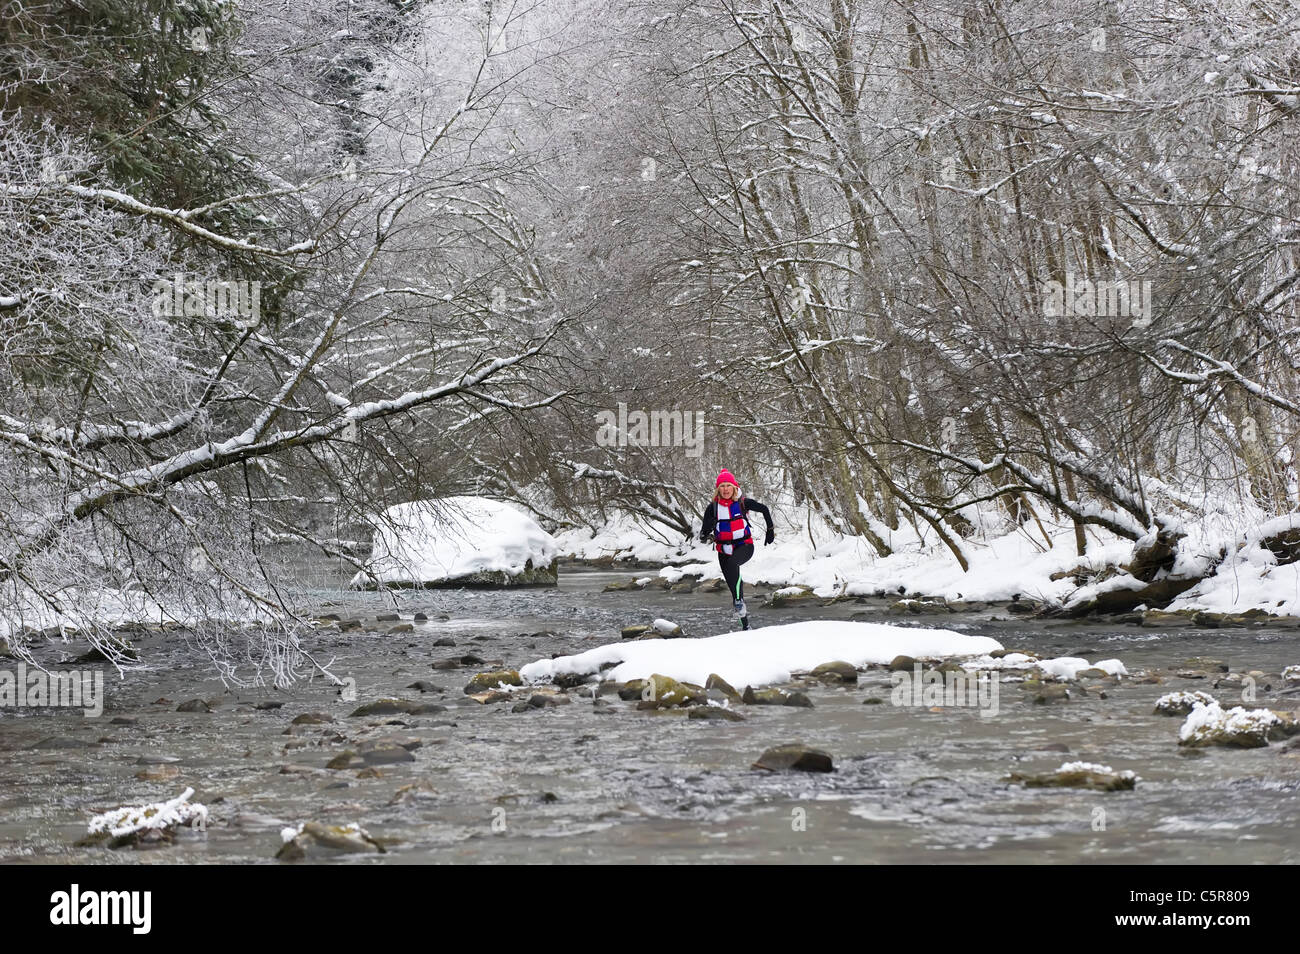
{"points": [[1038, 566]]}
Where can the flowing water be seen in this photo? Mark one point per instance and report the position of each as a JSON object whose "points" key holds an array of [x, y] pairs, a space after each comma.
{"points": [[575, 783]]}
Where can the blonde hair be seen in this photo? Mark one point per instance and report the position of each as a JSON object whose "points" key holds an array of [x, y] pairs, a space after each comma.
{"points": [[717, 492]]}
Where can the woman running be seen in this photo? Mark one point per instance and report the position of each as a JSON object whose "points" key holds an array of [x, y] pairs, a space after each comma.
{"points": [[724, 518]]}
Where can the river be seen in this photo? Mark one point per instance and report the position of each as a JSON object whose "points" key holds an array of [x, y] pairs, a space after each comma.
{"points": [[609, 783]]}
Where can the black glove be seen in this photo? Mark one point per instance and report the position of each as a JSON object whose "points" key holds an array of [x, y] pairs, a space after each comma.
{"points": [[705, 537], [771, 535]]}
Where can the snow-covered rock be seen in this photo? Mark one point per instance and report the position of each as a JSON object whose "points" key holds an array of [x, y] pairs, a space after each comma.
{"points": [[764, 656], [1101, 778], [1211, 724], [314, 841], [143, 824], [1182, 703], [459, 541]]}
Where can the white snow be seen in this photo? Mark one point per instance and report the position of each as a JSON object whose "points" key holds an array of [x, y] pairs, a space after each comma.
{"points": [[177, 811], [763, 656], [1176, 700], [431, 540], [811, 552], [1206, 718], [1095, 768], [1069, 667], [1065, 668]]}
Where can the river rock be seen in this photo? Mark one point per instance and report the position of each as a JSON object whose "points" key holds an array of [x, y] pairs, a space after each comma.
{"points": [[387, 618], [347, 759], [384, 752], [317, 841], [400, 628], [795, 757], [790, 596], [295, 768], [312, 718], [381, 707], [775, 697], [548, 698], [837, 671], [901, 664], [1089, 775], [1003, 653], [194, 705], [1093, 673], [716, 713], [491, 680], [423, 685], [639, 632], [489, 696], [1181, 703], [444, 641], [1047, 693], [665, 692], [571, 680], [631, 690], [905, 606], [97, 655], [716, 683], [158, 773], [396, 707], [1211, 724]]}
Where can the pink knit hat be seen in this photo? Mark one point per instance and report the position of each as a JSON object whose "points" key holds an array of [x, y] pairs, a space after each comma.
{"points": [[725, 478]]}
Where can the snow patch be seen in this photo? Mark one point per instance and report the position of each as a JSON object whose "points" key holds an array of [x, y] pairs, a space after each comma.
{"points": [[431, 540], [763, 656]]}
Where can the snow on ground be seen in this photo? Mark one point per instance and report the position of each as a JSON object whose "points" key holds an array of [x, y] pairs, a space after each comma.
{"points": [[1066, 668], [431, 540], [1003, 563], [1248, 578], [764, 656], [831, 563], [1069, 667], [85, 608]]}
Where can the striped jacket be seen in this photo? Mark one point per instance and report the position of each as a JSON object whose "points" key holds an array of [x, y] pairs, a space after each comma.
{"points": [[733, 528]]}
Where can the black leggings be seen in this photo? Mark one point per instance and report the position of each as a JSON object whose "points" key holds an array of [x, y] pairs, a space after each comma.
{"points": [[730, 563]]}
